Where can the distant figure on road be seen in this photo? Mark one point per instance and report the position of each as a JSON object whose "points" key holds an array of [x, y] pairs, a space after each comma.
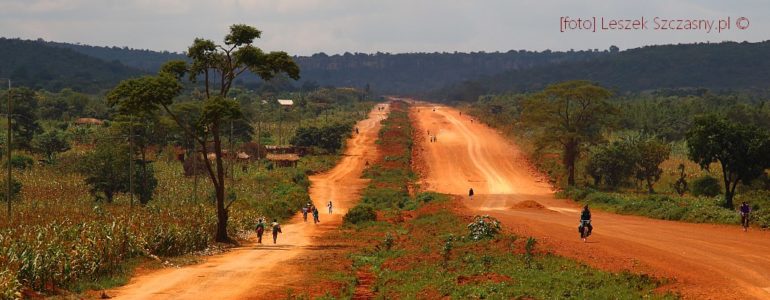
{"points": [[304, 213], [470, 193], [260, 230], [585, 218], [356, 130], [315, 216], [461, 114], [745, 211], [330, 207], [276, 230]]}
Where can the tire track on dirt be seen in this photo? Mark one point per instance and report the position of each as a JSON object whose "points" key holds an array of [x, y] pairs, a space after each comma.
{"points": [[252, 271]]}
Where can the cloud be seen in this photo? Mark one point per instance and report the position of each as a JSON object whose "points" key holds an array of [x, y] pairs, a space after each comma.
{"points": [[336, 26]]}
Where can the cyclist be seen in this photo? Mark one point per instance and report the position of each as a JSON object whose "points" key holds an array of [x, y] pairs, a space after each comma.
{"points": [[585, 220], [745, 211]]}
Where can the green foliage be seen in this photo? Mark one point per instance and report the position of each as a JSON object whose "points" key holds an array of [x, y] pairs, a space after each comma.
{"points": [[706, 186], [571, 114], [24, 121], [743, 151], [731, 65], [329, 137], [483, 227], [42, 66], [681, 186], [470, 269], [613, 163], [20, 162], [145, 181], [359, 214], [51, 143], [15, 189], [106, 172], [697, 210]]}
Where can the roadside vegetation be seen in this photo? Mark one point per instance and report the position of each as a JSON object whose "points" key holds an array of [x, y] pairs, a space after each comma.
{"points": [[406, 247], [687, 155], [80, 219]]}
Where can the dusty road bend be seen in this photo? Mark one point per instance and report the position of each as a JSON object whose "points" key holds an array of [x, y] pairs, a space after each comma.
{"points": [[706, 261], [253, 270]]}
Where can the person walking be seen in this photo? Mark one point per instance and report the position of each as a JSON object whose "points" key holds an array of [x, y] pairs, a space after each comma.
{"points": [[304, 213], [330, 207], [470, 193], [276, 230], [260, 230], [315, 216]]}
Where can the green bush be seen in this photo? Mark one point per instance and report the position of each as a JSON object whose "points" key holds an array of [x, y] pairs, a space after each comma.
{"points": [[21, 162], [15, 188], [426, 197], [483, 227], [706, 186], [359, 214]]}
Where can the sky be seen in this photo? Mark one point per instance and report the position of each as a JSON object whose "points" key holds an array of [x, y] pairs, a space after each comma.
{"points": [[304, 27]]}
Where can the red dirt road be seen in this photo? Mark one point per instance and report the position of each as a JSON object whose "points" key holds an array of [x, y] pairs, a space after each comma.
{"points": [[252, 271], [704, 261]]}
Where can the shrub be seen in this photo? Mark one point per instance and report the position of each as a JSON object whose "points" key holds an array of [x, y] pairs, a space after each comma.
{"points": [[21, 162], [483, 227], [706, 186], [15, 188], [426, 197], [359, 214]]}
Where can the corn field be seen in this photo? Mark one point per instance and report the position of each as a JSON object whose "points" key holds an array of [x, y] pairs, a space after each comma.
{"points": [[59, 235]]}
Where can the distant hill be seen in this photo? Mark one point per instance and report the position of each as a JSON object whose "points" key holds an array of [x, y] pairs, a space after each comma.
{"points": [[411, 73], [405, 73], [36, 65], [451, 76], [145, 60], [720, 66]]}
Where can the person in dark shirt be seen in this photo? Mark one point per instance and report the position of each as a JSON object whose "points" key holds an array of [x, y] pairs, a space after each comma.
{"points": [[745, 211], [586, 216]]}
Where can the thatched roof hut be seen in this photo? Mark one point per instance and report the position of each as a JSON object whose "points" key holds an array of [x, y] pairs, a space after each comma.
{"points": [[88, 121], [283, 160]]}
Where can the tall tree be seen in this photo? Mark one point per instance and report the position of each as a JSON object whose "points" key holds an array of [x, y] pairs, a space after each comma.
{"points": [[742, 151], [570, 114], [651, 153], [50, 143], [24, 119], [218, 66]]}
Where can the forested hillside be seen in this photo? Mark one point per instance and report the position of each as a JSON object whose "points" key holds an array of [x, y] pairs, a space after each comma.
{"points": [[722, 66], [142, 59], [406, 73], [450, 76], [35, 65]]}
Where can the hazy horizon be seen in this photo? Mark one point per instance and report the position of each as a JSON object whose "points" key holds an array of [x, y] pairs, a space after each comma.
{"points": [[398, 26]]}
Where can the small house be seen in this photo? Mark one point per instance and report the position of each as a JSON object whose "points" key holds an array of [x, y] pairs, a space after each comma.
{"points": [[283, 160]]}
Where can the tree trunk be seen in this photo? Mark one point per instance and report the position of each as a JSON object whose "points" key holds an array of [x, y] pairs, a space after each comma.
{"points": [[649, 187], [222, 216], [570, 156], [727, 178]]}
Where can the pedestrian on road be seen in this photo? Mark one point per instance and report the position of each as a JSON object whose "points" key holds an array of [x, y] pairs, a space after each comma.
{"points": [[356, 130], [330, 207], [304, 213], [276, 230], [315, 216], [260, 230], [745, 211], [470, 193]]}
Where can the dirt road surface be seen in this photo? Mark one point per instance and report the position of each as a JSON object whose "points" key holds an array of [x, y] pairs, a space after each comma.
{"points": [[253, 270], [704, 261]]}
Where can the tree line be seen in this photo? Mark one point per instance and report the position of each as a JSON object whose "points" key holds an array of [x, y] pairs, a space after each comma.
{"points": [[577, 118]]}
